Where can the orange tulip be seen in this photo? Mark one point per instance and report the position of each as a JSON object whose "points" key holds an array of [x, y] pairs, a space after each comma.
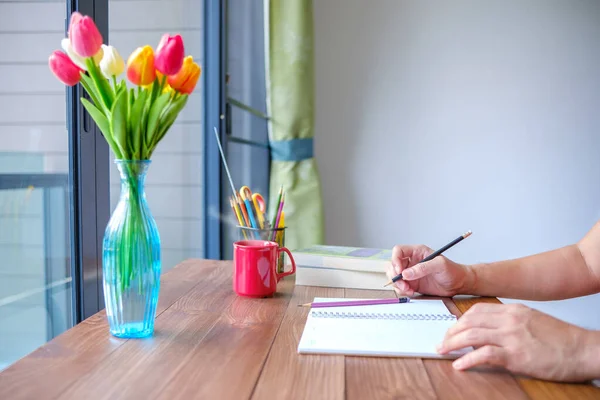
{"points": [[185, 80], [140, 66]]}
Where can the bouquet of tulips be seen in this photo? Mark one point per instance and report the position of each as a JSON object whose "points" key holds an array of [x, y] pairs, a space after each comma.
{"points": [[133, 120]]}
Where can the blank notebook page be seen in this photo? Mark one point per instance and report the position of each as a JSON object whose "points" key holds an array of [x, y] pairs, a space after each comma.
{"points": [[410, 329]]}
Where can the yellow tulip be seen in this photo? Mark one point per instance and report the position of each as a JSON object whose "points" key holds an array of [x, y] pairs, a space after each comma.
{"points": [[140, 66]]}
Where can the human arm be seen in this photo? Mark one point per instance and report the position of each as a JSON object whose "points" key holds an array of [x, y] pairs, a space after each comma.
{"points": [[567, 272]]}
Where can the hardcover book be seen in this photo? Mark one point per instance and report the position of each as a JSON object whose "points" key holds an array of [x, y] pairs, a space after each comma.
{"points": [[341, 266]]}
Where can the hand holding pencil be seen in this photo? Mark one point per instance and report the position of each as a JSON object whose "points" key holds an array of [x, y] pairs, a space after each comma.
{"points": [[439, 276]]}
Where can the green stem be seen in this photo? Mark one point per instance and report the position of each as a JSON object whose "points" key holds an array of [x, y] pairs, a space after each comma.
{"points": [[134, 233], [102, 85], [114, 79], [162, 84]]}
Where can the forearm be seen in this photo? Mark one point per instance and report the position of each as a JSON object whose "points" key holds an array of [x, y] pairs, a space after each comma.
{"points": [[553, 275]]}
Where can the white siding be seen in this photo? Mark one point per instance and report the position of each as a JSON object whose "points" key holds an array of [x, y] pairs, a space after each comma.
{"points": [[174, 182], [33, 138]]}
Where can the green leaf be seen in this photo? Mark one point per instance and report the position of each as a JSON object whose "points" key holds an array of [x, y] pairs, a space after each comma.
{"points": [[105, 92], [155, 88], [121, 87], [154, 114], [90, 88], [99, 118], [130, 101], [118, 124], [167, 119], [103, 124], [170, 115], [135, 120]]}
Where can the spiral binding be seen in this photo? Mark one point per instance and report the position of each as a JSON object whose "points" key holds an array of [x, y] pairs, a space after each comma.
{"points": [[400, 316]]}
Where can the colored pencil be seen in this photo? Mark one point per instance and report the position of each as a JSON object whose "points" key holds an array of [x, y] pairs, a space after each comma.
{"points": [[243, 209], [253, 222], [433, 255], [350, 303], [236, 211], [278, 237], [276, 225], [274, 219]]}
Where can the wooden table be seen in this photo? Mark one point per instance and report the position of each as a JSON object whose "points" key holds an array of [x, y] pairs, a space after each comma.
{"points": [[211, 344]]}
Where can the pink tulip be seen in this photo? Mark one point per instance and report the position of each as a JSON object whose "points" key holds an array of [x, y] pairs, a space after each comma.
{"points": [[84, 35], [169, 54], [64, 69]]}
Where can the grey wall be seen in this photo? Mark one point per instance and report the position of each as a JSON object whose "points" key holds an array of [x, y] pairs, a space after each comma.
{"points": [[438, 117]]}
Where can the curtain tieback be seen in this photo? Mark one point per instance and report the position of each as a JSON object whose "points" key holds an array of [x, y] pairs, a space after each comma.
{"points": [[291, 150]]}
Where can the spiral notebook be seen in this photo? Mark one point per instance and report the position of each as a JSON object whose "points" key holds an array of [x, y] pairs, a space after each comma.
{"points": [[411, 329]]}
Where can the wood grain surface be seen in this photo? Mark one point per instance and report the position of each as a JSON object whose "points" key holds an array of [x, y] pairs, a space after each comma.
{"points": [[210, 343]]}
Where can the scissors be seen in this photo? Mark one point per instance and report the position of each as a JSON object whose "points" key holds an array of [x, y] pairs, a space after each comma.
{"points": [[261, 208], [255, 205]]}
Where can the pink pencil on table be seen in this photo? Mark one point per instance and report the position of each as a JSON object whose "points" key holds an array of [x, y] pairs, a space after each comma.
{"points": [[349, 303], [278, 216]]}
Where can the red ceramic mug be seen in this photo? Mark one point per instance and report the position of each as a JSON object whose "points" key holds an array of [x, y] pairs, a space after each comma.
{"points": [[255, 267]]}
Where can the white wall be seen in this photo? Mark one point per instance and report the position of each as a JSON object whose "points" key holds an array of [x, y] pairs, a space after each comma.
{"points": [[433, 118]]}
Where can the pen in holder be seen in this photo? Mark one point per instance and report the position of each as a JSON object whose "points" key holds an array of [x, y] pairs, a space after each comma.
{"points": [[245, 233]]}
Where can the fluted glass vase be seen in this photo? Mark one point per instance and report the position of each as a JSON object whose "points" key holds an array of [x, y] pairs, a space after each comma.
{"points": [[131, 258]]}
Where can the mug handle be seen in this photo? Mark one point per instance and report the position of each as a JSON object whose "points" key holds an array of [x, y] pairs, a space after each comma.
{"points": [[290, 272]]}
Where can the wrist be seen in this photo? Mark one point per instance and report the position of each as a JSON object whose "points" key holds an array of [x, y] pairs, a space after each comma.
{"points": [[469, 286], [589, 354]]}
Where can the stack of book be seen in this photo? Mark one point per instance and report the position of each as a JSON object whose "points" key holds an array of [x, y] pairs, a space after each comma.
{"points": [[343, 267]]}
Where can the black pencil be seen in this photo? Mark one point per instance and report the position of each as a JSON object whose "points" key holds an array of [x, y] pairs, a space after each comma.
{"points": [[433, 255]]}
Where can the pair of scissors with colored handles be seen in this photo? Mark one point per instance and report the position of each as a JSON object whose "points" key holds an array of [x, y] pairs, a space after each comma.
{"points": [[255, 206]]}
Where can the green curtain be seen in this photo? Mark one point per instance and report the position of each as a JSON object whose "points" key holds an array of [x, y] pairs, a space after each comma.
{"points": [[290, 105]]}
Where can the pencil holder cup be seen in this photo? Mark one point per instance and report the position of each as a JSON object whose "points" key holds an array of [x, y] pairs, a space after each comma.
{"points": [[276, 235]]}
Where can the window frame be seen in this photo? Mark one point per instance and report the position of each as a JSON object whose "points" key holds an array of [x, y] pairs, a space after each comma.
{"points": [[213, 116], [89, 183]]}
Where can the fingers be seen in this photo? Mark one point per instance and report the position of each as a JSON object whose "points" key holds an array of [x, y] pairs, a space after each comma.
{"points": [[401, 287], [474, 318], [423, 269], [404, 255], [473, 337], [486, 355]]}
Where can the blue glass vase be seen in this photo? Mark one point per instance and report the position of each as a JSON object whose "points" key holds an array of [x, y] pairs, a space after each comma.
{"points": [[131, 258]]}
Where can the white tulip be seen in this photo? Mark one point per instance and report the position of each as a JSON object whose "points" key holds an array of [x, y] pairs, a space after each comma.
{"points": [[112, 63], [76, 58]]}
